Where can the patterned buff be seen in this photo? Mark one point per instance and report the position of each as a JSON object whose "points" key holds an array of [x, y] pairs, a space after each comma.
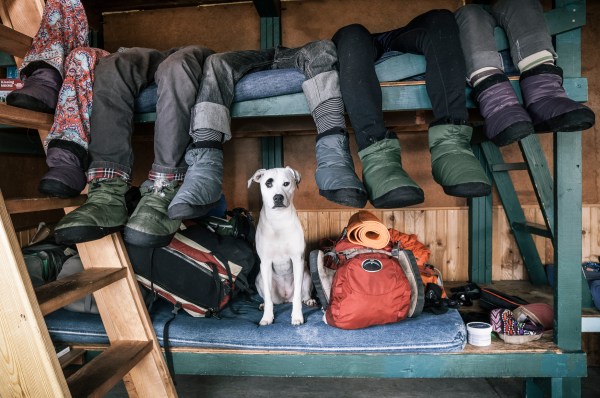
{"points": [[503, 322], [62, 42]]}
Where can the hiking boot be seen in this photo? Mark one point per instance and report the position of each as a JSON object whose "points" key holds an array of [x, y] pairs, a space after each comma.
{"points": [[506, 121], [389, 186], [66, 175], [103, 213], [202, 186], [40, 90], [335, 175], [150, 225], [547, 102], [453, 164]]}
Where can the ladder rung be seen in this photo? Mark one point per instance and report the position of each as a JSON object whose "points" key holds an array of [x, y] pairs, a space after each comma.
{"points": [[70, 357], [533, 228], [509, 166], [27, 205], [20, 117], [98, 376], [57, 294]]}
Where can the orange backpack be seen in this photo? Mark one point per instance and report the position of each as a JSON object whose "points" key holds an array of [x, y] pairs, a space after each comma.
{"points": [[372, 286]]}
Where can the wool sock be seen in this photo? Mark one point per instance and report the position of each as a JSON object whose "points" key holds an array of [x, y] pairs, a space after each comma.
{"points": [[205, 134], [329, 114], [530, 62], [481, 74]]}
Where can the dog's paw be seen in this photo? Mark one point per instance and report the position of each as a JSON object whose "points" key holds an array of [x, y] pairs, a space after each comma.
{"points": [[297, 319], [310, 302], [266, 321]]}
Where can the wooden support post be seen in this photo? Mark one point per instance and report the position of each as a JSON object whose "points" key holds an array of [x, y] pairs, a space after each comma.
{"points": [[480, 231]]}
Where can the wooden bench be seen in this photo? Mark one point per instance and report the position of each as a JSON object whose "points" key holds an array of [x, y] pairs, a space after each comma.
{"points": [[554, 364]]}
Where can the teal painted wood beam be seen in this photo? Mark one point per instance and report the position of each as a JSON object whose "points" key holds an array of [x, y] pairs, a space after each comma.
{"points": [[514, 214], [567, 247], [270, 36], [423, 365], [6, 59], [539, 173], [395, 98], [480, 231]]}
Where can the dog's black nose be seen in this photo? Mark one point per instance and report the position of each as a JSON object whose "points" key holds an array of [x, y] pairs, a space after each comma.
{"points": [[278, 198]]}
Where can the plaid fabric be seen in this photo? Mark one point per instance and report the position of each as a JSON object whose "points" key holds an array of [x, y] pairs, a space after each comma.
{"points": [[104, 173], [156, 176]]}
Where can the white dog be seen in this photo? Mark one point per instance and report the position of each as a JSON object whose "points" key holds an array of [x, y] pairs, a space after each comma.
{"points": [[283, 276]]}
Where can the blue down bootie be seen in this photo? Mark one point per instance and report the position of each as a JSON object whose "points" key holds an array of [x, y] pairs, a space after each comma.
{"points": [[335, 175], [202, 186]]}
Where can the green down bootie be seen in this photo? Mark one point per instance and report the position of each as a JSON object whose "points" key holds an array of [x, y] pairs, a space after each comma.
{"points": [[388, 185], [150, 225], [103, 213], [453, 164]]}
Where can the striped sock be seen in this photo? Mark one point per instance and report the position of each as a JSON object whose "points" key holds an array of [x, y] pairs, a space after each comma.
{"points": [[329, 114], [207, 135], [530, 62], [481, 74]]}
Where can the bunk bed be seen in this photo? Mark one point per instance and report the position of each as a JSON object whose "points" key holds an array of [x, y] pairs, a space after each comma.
{"points": [[553, 365]]}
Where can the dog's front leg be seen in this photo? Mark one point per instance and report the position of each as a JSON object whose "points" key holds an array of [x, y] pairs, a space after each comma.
{"points": [[298, 264], [266, 272]]}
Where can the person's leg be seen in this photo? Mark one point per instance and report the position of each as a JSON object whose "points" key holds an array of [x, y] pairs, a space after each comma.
{"points": [[506, 121], [67, 142], [178, 78], [387, 184], [541, 81], [435, 35], [210, 128], [63, 28], [335, 175], [119, 79]]}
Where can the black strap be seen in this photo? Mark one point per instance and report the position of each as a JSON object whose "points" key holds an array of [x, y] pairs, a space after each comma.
{"points": [[167, 346]]}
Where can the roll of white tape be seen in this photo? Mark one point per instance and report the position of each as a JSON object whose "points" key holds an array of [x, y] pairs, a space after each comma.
{"points": [[479, 333]]}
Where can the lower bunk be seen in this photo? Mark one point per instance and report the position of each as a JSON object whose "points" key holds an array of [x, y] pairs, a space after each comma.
{"points": [[428, 346]]}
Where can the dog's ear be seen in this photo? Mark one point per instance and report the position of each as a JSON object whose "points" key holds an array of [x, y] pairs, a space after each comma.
{"points": [[296, 174], [256, 177]]}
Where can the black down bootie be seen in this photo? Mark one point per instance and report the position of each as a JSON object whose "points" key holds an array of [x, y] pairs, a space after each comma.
{"points": [[547, 102], [66, 174], [40, 90]]}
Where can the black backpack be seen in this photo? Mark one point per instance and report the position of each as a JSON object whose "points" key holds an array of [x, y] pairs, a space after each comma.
{"points": [[203, 268]]}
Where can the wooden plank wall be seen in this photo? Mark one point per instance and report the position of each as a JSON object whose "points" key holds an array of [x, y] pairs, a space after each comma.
{"points": [[444, 231]]}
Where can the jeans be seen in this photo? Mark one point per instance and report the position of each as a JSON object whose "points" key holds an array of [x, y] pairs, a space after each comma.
{"points": [[522, 20], [222, 71], [433, 34], [120, 77]]}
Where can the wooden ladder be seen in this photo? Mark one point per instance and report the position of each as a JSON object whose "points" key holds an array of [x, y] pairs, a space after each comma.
{"points": [[28, 361]]}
